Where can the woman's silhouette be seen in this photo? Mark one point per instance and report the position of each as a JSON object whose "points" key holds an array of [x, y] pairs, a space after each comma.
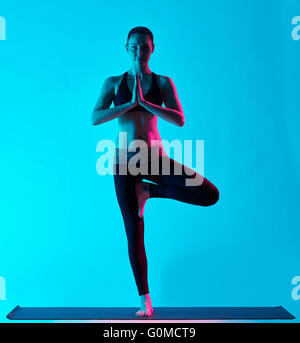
{"points": [[138, 95]]}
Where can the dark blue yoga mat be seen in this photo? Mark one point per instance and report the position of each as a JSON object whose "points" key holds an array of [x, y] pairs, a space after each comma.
{"points": [[180, 313]]}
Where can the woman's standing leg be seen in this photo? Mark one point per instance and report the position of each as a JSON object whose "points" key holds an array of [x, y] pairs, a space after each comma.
{"points": [[125, 186]]}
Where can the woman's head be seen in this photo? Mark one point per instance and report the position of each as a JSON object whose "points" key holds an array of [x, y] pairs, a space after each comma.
{"points": [[140, 44]]}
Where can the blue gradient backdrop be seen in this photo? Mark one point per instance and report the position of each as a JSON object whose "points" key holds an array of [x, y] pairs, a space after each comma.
{"points": [[236, 70]]}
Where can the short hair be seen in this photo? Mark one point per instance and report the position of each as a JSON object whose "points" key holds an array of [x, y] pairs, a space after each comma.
{"points": [[140, 29]]}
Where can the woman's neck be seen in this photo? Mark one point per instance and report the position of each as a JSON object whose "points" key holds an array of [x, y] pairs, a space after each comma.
{"points": [[140, 69]]}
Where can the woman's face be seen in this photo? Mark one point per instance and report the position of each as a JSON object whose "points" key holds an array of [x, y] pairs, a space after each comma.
{"points": [[140, 48]]}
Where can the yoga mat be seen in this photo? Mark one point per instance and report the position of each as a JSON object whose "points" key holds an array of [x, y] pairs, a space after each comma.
{"points": [[185, 313]]}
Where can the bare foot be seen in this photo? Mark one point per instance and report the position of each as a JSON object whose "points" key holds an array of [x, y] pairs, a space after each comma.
{"points": [[142, 193], [146, 309]]}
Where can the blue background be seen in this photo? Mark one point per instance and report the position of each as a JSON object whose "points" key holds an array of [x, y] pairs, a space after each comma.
{"points": [[236, 70]]}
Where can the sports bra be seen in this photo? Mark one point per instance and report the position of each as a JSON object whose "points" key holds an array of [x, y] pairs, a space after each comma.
{"points": [[124, 95]]}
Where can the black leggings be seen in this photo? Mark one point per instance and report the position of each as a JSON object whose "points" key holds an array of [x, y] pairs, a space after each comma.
{"points": [[170, 186]]}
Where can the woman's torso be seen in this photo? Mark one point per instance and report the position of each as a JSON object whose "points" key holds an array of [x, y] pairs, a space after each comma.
{"points": [[138, 123]]}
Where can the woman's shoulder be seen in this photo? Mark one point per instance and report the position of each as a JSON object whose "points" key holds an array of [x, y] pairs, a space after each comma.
{"points": [[115, 80], [164, 81], [161, 78]]}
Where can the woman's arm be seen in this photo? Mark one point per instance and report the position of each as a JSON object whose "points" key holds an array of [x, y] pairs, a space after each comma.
{"points": [[173, 111], [102, 113]]}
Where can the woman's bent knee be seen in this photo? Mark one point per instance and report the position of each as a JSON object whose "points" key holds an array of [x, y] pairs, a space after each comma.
{"points": [[209, 195], [213, 197]]}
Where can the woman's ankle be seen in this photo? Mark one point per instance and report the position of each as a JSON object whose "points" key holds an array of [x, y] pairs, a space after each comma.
{"points": [[145, 296]]}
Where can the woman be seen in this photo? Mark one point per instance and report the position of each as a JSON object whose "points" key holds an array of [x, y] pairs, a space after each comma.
{"points": [[138, 96]]}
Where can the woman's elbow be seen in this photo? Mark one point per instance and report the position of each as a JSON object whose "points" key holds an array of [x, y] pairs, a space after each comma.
{"points": [[182, 120], [94, 120]]}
